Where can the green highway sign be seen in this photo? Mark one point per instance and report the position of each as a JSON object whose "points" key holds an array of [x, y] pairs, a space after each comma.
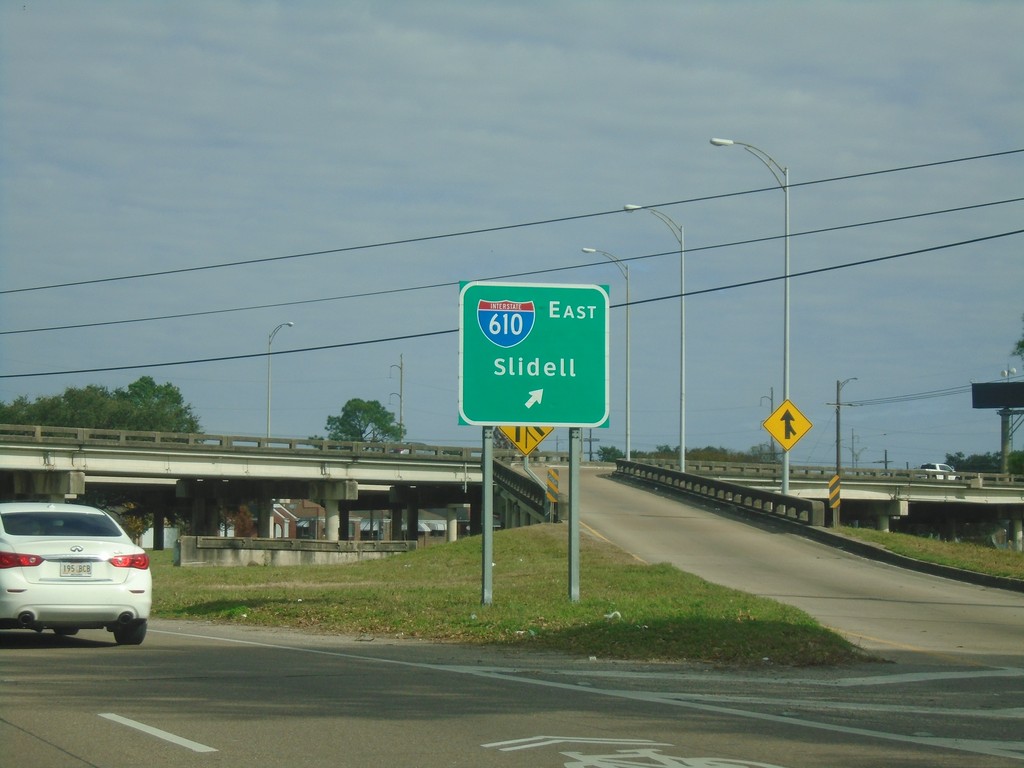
{"points": [[533, 354]]}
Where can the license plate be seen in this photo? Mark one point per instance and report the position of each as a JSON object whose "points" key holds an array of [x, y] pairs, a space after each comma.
{"points": [[76, 570]]}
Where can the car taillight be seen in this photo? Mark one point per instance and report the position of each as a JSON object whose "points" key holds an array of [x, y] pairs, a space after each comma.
{"points": [[15, 560], [130, 561]]}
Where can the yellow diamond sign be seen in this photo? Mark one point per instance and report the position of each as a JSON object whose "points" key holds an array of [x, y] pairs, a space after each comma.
{"points": [[787, 425], [526, 438]]}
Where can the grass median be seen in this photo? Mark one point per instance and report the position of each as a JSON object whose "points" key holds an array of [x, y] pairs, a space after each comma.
{"points": [[968, 556], [628, 609]]}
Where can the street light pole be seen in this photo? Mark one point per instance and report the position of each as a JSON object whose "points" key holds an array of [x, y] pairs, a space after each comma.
{"points": [[401, 395], [781, 174], [270, 341], [677, 231], [624, 269]]}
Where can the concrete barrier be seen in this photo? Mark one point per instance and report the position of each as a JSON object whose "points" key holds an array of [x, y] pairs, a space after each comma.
{"points": [[191, 551], [808, 511]]}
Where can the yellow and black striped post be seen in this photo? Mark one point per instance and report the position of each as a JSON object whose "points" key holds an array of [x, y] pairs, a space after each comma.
{"points": [[833, 499]]}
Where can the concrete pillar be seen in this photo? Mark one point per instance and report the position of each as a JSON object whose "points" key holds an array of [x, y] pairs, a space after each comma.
{"points": [[1017, 533], [476, 514], [339, 518], [395, 532], [336, 496], [884, 511], [198, 525], [412, 517], [265, 505], [453, 520], [156, 504]]}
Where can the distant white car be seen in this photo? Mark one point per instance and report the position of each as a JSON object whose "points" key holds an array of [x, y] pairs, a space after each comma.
{"points": [[67, 567], [939, 471]]}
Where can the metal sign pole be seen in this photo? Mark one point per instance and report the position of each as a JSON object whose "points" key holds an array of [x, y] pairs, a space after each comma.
{"points": [[575, 455], [487, 518]]}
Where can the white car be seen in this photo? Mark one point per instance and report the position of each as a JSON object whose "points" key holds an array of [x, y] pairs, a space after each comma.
{"points": [[67, 567], [939, 471]]}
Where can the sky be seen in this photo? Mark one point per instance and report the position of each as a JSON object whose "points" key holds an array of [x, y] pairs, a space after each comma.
{"points": [[179, 179]]}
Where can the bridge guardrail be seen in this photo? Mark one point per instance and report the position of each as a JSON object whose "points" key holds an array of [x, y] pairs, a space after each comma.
{"points": [[822, 474], [523, 488], [187, 441], [809, 511]]}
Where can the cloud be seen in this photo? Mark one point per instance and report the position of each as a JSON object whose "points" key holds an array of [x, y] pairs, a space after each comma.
{"points": [[143, 137]]}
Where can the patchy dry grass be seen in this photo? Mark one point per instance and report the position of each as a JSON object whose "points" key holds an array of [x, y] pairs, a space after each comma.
{"points": [[627, 610]]}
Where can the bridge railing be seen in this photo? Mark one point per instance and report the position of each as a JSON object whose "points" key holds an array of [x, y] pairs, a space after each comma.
{"points": [[809, 511], [822, 474], [85, 436], [523, 488]]}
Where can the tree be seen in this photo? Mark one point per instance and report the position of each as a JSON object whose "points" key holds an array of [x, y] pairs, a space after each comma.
{"points": [[142, 405], [609, 453], [158, 407], [1019, 349], [1015, 463], [976, 462], [365, 421]]}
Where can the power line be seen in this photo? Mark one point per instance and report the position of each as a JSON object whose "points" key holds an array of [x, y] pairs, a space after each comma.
{"points": [[499, 228], [450, 283], [915, 396], [427, 334]]}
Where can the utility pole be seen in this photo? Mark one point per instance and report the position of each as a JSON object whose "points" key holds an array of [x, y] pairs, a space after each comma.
{"points": [[839, 448], [590, 440]]}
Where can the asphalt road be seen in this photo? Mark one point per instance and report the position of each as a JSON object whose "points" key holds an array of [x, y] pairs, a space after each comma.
{"points": [[203, 695], [209, 695]]}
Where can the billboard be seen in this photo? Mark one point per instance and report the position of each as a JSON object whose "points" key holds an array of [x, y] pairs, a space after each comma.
{"points": [[999, 394]]}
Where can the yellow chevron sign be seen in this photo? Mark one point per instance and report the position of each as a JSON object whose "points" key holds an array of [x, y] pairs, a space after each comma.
{"points": [[526, 438], [834, 492], [552, 489]]}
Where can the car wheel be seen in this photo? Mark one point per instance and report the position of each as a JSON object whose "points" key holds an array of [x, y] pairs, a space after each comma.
{"points": [[130, 634], [65, 631]]}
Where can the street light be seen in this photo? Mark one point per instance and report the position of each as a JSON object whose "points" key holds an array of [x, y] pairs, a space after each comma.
{"points": [[270, 341], [677, 232], [624, 269], [781, 174], [401, 395]]}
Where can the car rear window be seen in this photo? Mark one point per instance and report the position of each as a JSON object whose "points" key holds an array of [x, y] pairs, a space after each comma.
{"points": [[58, 524]]}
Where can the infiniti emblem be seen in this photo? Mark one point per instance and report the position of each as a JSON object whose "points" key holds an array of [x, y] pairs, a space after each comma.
{"points": [[76, 548]]}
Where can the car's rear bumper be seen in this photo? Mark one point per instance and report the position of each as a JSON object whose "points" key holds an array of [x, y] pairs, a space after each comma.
{"points": [[40, 606]]}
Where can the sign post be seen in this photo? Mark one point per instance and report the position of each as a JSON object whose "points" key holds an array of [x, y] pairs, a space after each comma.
{"points": [[487, 514], [534, 356]]}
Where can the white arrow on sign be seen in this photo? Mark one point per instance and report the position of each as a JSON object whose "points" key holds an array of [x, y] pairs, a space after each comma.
{"points": [[536, 396]]}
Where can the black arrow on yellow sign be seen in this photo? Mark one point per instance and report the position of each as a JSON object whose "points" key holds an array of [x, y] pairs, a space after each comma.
{"points": [[526, 439], [787, 419]]}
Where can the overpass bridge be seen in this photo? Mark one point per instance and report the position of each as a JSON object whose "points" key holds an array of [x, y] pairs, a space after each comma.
{"points": [[204, 473], [971, 504], [196, 475], [983, 506]]}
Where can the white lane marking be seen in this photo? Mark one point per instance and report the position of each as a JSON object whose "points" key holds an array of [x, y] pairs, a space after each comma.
{"points": [[1009, 749], [173, 739], [928, 677], [547, 741]]}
